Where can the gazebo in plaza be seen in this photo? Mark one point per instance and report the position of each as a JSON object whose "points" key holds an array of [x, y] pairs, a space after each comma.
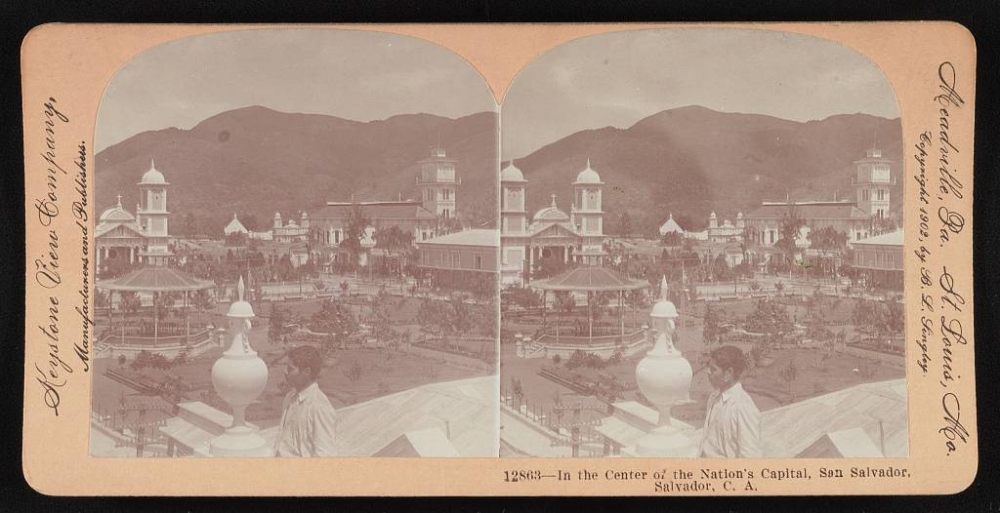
{"points": [[153, 280], [591, 280]]}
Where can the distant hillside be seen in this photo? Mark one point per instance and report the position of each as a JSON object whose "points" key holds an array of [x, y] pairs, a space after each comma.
{"points": [[692, 160], [255, 161], [688, 161]]}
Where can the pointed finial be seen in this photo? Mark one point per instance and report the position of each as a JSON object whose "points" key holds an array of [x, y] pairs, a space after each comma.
{"points": [[240, 289], [663, 288], [671, 215], [152, 163], [234, 216], [588, 162], [553, 199], [119, 201]]}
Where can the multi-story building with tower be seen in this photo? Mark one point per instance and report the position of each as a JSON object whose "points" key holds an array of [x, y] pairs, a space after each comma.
{"points": [[872, 184], [438, 184]]}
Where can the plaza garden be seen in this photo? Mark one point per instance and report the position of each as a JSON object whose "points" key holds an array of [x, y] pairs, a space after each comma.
{"points": [[372, 344], [798, 347]]}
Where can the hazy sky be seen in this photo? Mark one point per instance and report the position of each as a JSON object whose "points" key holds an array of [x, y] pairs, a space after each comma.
{"points": [[350, 74], [617, 79]]}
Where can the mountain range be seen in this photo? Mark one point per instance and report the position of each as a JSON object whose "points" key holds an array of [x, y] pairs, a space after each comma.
{"points": [[255, 161], [688, 161], [692, 160]]}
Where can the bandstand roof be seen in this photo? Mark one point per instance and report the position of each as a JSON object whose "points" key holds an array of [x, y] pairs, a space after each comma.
{"points": [[155, 279], [589, 278]]}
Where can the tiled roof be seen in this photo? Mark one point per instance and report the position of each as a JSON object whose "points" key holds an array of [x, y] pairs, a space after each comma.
{"points": [[807, 211], [374, 210], [479, 237], [886, 239]]}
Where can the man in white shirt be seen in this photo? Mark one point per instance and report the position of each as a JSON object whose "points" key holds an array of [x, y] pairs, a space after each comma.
{"points": [[732, 420], [307, 417]]}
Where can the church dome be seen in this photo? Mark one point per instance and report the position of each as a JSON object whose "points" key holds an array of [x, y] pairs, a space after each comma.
{"points": [[511, 174], [588, 176], [116, 214], [551, 213], [153, 176]]}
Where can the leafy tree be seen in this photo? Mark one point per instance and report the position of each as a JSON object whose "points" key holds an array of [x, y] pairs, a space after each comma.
{"points": [[577, 359], [522, 297], [827, 240], [337, 320], [164, 303], [790, 232], [396, 242], [879, 318], [564, 302], [672, 239], [600, 302], [354, 232], [771, 319], [129, 302], [249, 221]]}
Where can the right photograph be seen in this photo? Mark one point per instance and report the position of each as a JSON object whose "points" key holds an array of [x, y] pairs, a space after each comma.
{"points": [[702, 250]]}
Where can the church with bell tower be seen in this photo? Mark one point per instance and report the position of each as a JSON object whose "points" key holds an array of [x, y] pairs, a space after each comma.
{"points": [[124, 240], [573, 238]]}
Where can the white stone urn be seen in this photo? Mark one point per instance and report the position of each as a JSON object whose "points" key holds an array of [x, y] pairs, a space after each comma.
{"points": [[239, 377], [664, 377]]}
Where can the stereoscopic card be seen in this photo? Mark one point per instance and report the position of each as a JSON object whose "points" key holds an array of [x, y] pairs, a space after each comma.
{"points": [[638, 259]]}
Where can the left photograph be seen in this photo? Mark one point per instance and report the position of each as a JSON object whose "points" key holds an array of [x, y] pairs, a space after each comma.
{"points": [[297, 250]]}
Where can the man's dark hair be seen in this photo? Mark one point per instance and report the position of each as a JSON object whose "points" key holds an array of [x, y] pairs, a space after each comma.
{"points": [[730, 357], [306, 357]]}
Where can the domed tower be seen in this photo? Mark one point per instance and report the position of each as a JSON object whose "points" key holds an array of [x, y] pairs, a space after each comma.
{"points": [[153, 216], [277, 220], [438, 184], [713, 220], [872, 183], [588, 215], [513, 216], [513, 227]]}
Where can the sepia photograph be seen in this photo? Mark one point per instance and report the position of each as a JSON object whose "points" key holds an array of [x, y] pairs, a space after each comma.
{"points": [[507, 260], [296, 250], [702, 250]]}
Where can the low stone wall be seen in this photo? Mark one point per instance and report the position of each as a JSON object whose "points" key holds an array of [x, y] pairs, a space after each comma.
{"points": [[131, 351]]}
